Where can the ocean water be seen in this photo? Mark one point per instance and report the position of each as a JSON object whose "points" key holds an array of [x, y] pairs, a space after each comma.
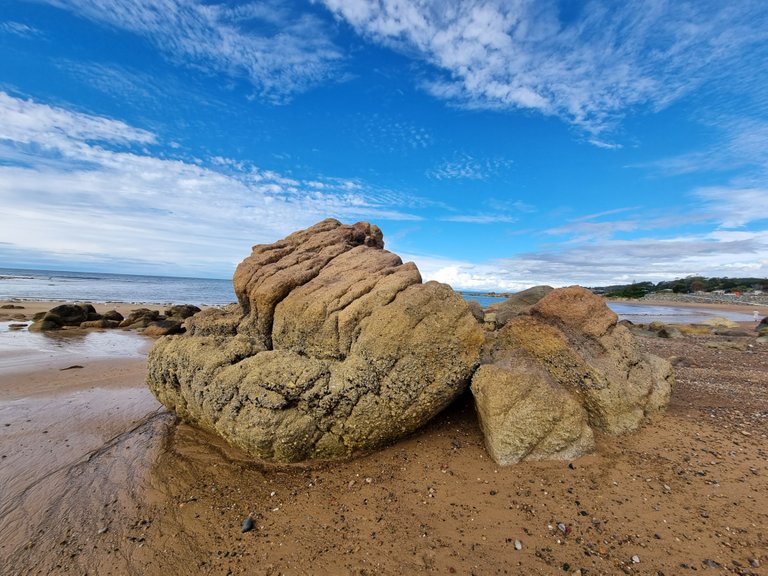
{"points": [[99, 287], [645, 314]]}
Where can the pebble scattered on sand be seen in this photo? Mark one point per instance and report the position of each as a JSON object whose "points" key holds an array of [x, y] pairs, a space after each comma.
{"points": [[247, 525]]}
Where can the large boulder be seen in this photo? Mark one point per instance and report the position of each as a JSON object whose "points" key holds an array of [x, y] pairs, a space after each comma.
{"points": [[559, 371], [335, 347]]}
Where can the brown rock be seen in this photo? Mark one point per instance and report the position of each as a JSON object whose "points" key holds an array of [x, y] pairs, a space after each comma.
{"points": [[564, 365], [518, 303], [114, 315], [335, 347], [720, 322], [71, 314], [140, 318], [182, 311], [163, 328], [578, 310], [102, 323], [477, 310]]}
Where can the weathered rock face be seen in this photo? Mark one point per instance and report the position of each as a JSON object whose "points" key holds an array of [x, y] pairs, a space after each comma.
{"points": [[560, 371], [517, 304], [335, 347]]}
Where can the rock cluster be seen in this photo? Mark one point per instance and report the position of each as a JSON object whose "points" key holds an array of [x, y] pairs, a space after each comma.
{"points": [[335, 347], [85, 316]]}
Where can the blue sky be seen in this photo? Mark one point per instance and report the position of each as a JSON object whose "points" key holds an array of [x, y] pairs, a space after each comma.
{"points": [[498, 144]]}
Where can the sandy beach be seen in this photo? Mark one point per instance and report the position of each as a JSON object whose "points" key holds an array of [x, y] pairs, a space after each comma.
{"points": [[97, 478]]}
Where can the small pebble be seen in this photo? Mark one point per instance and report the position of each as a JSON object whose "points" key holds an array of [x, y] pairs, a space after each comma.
{"points": [[103, 530], [247, 525], [754, 562], [518, 545], [635, 559]]}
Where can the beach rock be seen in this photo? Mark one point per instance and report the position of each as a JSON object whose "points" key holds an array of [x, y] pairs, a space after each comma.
{"points": [[518, 303], [163, 328], [553, 375], [335, 347], [720, 322], [140, 318], [102, 323], [669, 332], [477, 310], [732, 333], [114, 315], [182, 311], [11, 307], [72, 314], [17, 326], [46, 324]]}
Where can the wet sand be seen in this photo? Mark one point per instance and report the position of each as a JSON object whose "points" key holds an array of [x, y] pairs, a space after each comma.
{"points": [[97, 478]]}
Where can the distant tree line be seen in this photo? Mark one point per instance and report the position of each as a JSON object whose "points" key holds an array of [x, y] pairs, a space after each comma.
{"points": [[687, 285]]}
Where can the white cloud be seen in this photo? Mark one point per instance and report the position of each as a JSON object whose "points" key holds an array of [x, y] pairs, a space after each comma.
{"points": [[464, 166], [482, 218], [735, 207], [19, 29], [590, 67], [75, 185], [290, 53]]}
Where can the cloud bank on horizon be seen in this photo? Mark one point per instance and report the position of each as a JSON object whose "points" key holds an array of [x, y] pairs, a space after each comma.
{"points": [[498, 144]]}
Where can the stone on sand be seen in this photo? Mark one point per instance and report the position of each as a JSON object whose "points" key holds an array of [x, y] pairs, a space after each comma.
{"points": [[553, 375]]}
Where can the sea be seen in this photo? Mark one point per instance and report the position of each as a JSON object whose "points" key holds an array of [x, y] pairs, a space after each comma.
{"points": [[65, 286], [57, 285]]}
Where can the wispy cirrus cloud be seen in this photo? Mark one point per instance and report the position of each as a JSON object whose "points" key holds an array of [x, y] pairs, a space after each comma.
{"points": [[462, 166], [75, 185], [589, 64], [279, 51], [19, 29], [735, 207]]}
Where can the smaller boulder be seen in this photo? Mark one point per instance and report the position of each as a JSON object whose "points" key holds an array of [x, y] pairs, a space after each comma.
{"points": [[11, 307], [182, 311], [669, 332], [720, 322], [46, 324], [70, 314], [476, 309], [163, 328], [100, 323], [518, 303], [732, 333], [114, 315], [140, 318]]}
